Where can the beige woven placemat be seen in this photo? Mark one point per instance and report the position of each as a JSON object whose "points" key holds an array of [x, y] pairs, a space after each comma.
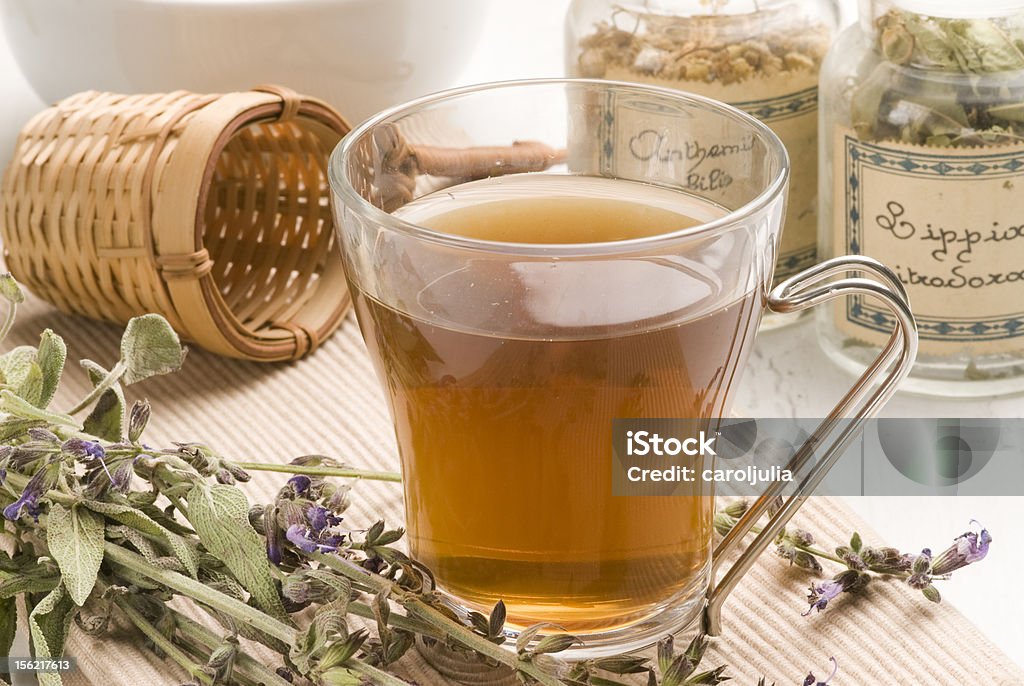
{"points": [[330, 403]]}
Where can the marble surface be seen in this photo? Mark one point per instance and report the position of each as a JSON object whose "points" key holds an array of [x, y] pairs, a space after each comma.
{"points": [[787, 374]]}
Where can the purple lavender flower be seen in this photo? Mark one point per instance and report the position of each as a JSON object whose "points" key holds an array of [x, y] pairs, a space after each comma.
{"points": [[821, 593], [83, 449], [121, 480], [29, 499], [299, 536], [300, 484], [321, 518], [811, 680], [967, 548], [273, 533], [308, 542]]}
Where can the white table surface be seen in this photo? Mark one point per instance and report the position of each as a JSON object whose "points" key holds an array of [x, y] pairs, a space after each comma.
{"points": [[523, 39]]}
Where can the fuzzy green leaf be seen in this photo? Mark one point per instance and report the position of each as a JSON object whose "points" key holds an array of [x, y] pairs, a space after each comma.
{"points": [[48, 625], [26, 583], [106, 420], [75, 540], [131, 517], [21, 373], [220, 515], [149, 347], [10, 290], [8, 624], [16, 405], [51, 357], [31, 387]]}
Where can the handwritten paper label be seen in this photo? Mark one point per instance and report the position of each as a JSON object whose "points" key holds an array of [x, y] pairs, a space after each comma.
{"points": [[950, 223], [633, 135], [787, 103]]}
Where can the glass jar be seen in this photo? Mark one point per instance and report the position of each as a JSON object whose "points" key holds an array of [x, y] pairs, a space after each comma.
{"points": [[922, 123], [762, 56]]}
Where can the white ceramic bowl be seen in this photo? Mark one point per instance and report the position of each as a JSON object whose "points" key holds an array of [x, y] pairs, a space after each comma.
{"points": [[359, 55]]}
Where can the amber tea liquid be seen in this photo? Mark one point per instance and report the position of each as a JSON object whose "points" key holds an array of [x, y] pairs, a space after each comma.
{"points": [[503, 380]]}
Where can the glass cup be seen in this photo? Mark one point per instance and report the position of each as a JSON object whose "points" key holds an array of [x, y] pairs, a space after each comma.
{"points": [[505, 359]]}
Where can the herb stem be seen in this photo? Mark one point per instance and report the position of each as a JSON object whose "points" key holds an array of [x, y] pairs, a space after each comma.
{"points": [[817, 552], [397, 621], [19, 481], [163, 643], [245, 663], [431, 616], [16, 405], [202, 593], [176, 501], [377, 676], [12, 311], [807, 549], [102, 387], [344, 472]]}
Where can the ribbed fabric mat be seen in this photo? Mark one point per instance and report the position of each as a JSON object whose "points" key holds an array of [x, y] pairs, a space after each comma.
{"points": [[330, 403]]}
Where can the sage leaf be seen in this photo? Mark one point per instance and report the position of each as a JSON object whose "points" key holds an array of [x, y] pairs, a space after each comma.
{"points": [[16, 405], [8, 625], [31, 387], [992, 49], [48, 625], [26, 583], [931, 42], [51, 356], [149, 347], [131, 517], [106, 420], [75, 539], [22, 374], [328, 624], [10, 290], [220, 516]]}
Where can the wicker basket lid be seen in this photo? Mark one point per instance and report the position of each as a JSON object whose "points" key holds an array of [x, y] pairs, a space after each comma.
{"points": [[212, 210]]}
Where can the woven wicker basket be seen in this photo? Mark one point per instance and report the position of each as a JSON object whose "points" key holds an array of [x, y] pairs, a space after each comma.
{"points": [[212, 210]]}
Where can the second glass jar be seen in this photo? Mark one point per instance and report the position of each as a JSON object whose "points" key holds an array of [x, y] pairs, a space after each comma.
{"points": [[923, 167], [762, 56]]}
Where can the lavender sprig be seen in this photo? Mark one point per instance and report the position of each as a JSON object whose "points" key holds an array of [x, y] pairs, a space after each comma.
{"points": [[103, 523], [863, 563]]}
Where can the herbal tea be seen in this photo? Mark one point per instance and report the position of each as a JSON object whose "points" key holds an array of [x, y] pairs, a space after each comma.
{"points": [[503, 394]]}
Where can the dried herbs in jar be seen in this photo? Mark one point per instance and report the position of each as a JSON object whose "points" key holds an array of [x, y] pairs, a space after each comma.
{"points": [[760, 56], [923, 168]]}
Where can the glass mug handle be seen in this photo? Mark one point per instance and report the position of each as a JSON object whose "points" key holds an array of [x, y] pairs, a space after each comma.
{"points": [[809, 288]]}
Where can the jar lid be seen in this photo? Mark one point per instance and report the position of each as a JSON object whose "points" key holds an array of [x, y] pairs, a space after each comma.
{"points": [[959, 9]]}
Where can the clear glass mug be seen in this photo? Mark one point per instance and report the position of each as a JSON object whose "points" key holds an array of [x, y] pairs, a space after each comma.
{"points": [[504, 362]]}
